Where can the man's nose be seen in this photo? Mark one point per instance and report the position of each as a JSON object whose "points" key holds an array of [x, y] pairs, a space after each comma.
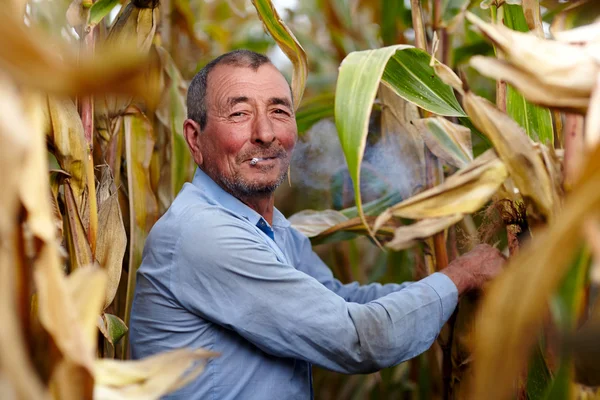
{"points": [[262, 130]]}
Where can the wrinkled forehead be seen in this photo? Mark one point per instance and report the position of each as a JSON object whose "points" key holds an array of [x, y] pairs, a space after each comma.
{"points": [[229, 81]]}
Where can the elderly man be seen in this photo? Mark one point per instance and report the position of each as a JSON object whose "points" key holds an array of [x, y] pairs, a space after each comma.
{"points": [[224, 270]]}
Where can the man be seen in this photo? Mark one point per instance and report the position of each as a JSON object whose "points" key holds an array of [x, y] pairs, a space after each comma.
{"points": [[223, 269]]}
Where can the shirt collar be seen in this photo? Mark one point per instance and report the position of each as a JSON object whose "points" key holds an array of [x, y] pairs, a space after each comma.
{"points": [[212, 190]]}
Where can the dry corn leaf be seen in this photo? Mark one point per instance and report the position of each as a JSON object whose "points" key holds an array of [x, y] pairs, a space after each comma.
{"points": [[592, 121], [86, 287], [409, 235], [149, 378], [529, 85], [34, 60], [80, 253], [70, 381], [111, 245], [462, 193], [450, 142], [541, 266], [311, 222], [67, 143], [557, 65], [533, 16], [581, 34], [15, 147], [516, 150], [143, 207]]}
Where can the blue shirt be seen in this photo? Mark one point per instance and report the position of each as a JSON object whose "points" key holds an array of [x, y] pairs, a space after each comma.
{"points": [[211, 278]]}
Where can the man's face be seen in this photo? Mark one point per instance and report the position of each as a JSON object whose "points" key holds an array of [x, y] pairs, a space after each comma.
{"points": [[250, 115]]}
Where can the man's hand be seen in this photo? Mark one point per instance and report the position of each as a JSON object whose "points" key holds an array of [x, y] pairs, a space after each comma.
{"points": [[473, 269]]}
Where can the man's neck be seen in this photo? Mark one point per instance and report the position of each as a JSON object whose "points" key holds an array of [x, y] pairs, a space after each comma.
{"points": [[261, 204]]}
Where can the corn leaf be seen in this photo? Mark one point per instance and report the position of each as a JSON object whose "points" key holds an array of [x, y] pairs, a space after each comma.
{"points": [[112, 241], [409, 74], [288, 43], [516, 150], [76, 236], [536, 120], [112, 327], [143, 207], [462, 193], [149, 378], [558, 67], [86, 287], [15, 147], [312, 222], [403, 69], [449, 142], [68, 144], [100, 9], [33, 59], [499, 343], [408, 236]]}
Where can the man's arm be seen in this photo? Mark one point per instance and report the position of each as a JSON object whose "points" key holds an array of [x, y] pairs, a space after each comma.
{"points": [[226, 274], [307, 261]]}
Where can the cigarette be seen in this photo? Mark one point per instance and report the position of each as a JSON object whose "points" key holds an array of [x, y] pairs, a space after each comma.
{"points": [[254, 161]]}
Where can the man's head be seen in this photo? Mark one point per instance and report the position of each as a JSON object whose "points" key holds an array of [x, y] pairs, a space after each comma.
{"points": [[240, 108]]}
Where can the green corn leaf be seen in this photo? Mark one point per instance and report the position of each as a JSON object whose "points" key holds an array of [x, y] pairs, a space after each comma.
{"points": [[112, 327], [408, 73], [536, 120], [402, 68], [100, 9], [288, 43]]}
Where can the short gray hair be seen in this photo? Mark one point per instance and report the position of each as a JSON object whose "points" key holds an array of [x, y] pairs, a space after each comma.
{"points": [[196, 96]]}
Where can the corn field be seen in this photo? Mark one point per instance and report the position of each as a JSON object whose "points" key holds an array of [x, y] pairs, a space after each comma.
{"points": [[426, 127]]}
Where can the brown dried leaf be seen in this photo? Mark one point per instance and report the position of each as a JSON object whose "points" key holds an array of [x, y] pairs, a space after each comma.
{"points": [[516, 150], [149, 378], [450, 142], [542, 266], [112, 241], [559, 65]]}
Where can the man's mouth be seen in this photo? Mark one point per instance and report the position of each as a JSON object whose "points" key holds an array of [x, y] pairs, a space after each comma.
{"points": [[256, 160]]}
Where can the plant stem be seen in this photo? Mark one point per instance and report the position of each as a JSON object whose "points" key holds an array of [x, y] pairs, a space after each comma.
{"points": [[418, 25]]}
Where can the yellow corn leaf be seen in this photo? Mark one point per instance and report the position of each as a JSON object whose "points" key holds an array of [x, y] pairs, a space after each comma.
{"points": [[450, 142], [34, 60], [15, 147], [70, 381], [516, 150], [528, 84], [67, 143], [150, 378], [311, 222], [143, 207], [592, 121], [555, 64], [288, 43], [510, 317], [581, 34], [409, 235], [86, 287], [462, 193], [112, 241]]}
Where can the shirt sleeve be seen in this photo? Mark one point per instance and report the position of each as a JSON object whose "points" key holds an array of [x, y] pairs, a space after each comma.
{"points": [[307, 261], [227, 274]]}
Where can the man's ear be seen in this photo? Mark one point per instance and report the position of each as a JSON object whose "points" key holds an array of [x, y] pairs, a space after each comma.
{"points": [[191, 132]]}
